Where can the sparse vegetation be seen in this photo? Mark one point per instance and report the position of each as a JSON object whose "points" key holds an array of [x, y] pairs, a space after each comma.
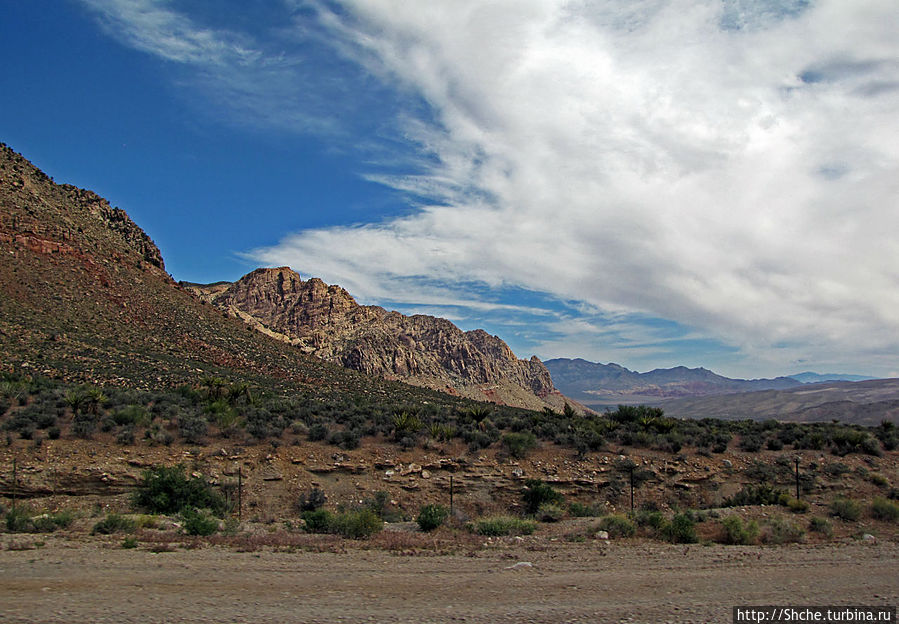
{"points": [[537, 493], [431, 517], [114, 523], [845, 509], [884, 509], [736, 531], [504, 525], [617, 526]]}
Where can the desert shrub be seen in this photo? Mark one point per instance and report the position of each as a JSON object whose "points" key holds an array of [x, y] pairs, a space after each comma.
{"points": [[129, 542], [132, 415], [114, 523], [751, 443], [18, 520], [821, 525], [125, 437], [169, 490], [49, 522], [782, 531], [504, 525], [762, 494], [318, 432], [54, 432], [580, 510], [318, 521], [681, 530], [84, 425], [735, 531], [519, 444], [845, 509], [550, 512], [797, 505], [884, 509], [655, 520], [192, 428], [357, 524], [312, 500], [774, 444], [617, 526], [347, 440], [537, 493], [432, 516], [879, 480], [197, 522], [836, 469], [477, 440]]}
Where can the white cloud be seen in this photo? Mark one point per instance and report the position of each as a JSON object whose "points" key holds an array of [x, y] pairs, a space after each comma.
{"points": [[731, 167], [731, 170]]}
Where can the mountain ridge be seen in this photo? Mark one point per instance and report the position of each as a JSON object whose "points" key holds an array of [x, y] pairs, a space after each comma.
{"points": [[327, 322]]}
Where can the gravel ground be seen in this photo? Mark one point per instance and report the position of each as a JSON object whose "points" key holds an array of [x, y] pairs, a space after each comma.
{"points": [[626, 582]]}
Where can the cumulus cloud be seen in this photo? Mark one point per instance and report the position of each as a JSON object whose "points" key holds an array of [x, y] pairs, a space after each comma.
{"points": [[730, 168]]}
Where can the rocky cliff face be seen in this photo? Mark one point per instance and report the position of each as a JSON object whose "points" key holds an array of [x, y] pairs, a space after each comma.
{"points": [[424, 350]]}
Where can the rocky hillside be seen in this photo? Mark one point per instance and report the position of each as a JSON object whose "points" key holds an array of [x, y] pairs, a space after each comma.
{"points": [[610, 384], [325, 321], [84, 296]]}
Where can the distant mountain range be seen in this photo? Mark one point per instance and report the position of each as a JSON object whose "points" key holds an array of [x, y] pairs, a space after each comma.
{"points": [[809, 377], [599, 385], [699, 393]]}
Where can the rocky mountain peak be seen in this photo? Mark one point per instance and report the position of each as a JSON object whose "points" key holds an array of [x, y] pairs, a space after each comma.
{"points": [[326, 321]]}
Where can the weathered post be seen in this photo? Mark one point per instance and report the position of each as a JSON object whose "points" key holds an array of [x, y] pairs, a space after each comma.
{"points": [[797, 476], [239, 494], [15, 483], [451, 497]]}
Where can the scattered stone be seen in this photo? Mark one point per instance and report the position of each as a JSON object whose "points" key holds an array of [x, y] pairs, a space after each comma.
{"points": [[521, 565], [603, 535]]}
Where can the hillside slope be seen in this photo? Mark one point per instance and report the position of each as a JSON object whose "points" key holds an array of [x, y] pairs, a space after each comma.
{"points": [[84, 296], [325, 321]]}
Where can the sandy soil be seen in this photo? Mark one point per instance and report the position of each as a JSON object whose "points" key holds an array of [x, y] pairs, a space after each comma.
{"points": [[632, 581]]}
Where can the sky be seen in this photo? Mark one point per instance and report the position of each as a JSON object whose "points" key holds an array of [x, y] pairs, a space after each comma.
{"points": [[652, 183]]}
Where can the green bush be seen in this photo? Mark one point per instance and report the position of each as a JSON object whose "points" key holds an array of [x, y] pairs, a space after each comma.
{"points": [[762, 494], [782, 531], [431, 517], [357, 524], [18, 520], [169, 490], [821, 525], [617, 526], [580, 510], [735, 531], [681, 530], [114, 523], [797, 506], [47, 523], [537, 493], [129, 542], [520, 444], [652, 519], [550, 512], [504, 525], [845, 509], [318, 521], [198, 522], [884, 509]]}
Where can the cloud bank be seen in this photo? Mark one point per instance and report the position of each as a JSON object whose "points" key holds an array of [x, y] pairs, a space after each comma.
{"points": [[678, 171]]}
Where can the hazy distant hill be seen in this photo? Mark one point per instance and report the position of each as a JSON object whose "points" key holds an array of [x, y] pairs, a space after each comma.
{"points": [[860, 402], [810, 377], [599, 385]]}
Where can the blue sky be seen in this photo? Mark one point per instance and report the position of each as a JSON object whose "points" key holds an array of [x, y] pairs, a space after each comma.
{"points": [[653, 183]]}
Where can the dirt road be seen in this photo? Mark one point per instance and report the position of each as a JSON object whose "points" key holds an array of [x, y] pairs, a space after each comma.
{"points": [[626, 582]]}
